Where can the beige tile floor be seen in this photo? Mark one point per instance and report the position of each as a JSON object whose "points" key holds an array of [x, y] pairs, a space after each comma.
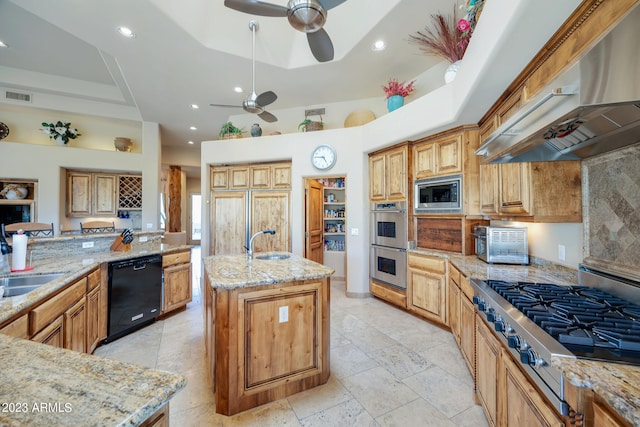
{"points": [[388, 368]]}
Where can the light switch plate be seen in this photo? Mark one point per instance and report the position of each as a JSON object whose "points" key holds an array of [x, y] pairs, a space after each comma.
{"points": [[283, 314], [86, 245], [143, 238], [355, 231]]}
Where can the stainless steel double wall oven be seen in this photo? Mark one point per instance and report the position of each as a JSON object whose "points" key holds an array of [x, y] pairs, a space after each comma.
{"points": [[389, 243]]}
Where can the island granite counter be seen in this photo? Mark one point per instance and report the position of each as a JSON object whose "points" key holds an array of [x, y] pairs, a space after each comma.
{"points": [[46, 386], [266, 327]]}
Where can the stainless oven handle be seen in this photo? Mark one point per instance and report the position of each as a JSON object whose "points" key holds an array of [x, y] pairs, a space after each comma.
{"points": [[388, 248], [390, 211]]}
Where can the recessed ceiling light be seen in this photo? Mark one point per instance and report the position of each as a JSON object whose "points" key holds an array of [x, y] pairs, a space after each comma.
{"points": [[194, 106], [237, 89], [378, 45], [126, 31], [191, 142], [193, 128], [3, 44]]}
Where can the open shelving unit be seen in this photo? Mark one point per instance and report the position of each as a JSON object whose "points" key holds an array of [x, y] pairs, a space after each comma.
{"points": [[334, 224]]}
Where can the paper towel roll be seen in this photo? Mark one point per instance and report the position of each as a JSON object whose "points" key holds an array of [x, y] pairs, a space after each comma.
{"points": [[19, 255]]}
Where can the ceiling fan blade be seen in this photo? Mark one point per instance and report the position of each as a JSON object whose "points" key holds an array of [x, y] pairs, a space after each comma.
{"points": [[268, 117], [266, 98], [321, 45], [226, 105], [330, 4], [256, 7]]}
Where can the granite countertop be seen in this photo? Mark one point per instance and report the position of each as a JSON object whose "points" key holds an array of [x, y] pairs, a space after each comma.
{"points": [[616, 383], [73, 267], [240, 271], [45, 386]]}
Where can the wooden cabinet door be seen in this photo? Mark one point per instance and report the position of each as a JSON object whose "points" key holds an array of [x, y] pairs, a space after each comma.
{"points": [[239, 178], [219, 178], [468, 333], [260, 177], [177, 286], [104, 200], [515, 185], [603, 416], [520, 402], [424, 160], [94, 302], [489, 198], [454, 310], [281, 176], [427, 287], [396, 174], [377, 181], [52, 334], [75, 327], [270, 210], [79, 193], [487, 371], [228, 223], [448, 155]]}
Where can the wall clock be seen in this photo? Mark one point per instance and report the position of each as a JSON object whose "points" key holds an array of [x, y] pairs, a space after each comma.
{"points": [[4, 130], [323, 157]]}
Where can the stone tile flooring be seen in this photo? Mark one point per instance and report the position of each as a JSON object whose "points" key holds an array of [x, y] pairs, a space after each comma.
{"points": [[388, 368]]}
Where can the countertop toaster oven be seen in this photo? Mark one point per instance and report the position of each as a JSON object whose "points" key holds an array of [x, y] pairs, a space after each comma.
{"points": [[502, 245]]}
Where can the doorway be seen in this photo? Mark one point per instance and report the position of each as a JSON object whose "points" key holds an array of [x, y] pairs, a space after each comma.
{"points": [[325, 222], [195, 219]]}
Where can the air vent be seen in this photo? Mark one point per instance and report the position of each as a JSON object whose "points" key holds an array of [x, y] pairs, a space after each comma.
{"points": [[314, 112], [17, 96]]}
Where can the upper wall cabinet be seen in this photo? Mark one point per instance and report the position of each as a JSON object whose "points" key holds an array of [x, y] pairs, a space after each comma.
{"points": [[388, 175], [102, 194], [252, 177], [440, 157]]}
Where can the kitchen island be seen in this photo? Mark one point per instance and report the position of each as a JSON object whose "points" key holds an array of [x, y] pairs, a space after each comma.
{"points": [[45, 386], [266, 327]]}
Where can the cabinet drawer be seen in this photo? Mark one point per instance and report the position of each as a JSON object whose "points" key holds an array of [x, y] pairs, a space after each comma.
{"points": [[176, 258], [454, 274], [93, 280], [466, 288], [40, 316], [19, 328], [436, 265]]}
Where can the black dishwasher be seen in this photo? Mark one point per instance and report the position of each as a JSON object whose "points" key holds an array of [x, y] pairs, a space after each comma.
{"points": [[135, 294]]}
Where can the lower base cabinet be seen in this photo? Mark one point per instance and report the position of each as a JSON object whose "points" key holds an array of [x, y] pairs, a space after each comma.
{"points": [[427, 287], [487, 371], [520, 402], [177, 280], [52, 335]]}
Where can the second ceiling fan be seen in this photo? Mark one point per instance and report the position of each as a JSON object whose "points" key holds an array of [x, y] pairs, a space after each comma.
{"points": [[255, 103], [308, 16]]}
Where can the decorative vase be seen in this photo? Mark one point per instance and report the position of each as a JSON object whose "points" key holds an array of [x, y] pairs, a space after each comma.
{"points": [[394, 102], [450, 73], [122, 144], [256, 130]]}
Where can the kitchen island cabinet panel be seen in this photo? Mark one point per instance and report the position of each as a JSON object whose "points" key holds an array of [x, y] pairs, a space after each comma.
{"points": [[52, 335], [18, 328]]}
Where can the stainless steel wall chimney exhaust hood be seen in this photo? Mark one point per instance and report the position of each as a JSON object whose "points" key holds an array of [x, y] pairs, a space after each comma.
{"points": [[593, 108]]}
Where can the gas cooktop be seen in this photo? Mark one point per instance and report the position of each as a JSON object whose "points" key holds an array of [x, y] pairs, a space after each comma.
{"points": [[589, 322]]}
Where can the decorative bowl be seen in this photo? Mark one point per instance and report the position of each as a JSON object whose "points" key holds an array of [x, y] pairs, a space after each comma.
{"points": [[122, 144]]}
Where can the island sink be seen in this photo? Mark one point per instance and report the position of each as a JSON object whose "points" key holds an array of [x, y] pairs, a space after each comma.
{"points": [[273, 256]]}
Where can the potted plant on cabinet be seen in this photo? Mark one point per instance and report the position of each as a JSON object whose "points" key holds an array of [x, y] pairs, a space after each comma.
{"points": [[229, 131], [396, 92], [308, 125]]}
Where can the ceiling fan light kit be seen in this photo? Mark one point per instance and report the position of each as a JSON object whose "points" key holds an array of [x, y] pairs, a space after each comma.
{"points": [[307, 16]]}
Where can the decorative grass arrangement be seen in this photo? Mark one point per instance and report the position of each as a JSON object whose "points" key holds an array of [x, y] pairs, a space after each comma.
{"points": [[444, 40]]}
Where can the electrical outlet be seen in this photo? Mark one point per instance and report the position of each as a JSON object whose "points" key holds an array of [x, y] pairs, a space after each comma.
{"points": [[86, 245], [149, 226], [561, 252], [355, 231], [283, 313], [143, 238]]}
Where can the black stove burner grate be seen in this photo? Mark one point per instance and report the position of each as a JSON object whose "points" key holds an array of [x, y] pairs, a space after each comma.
{"points": [[576, 315]]}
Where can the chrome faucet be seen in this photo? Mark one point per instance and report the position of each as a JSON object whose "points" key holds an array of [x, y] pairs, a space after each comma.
{"points": [[250, 248]]}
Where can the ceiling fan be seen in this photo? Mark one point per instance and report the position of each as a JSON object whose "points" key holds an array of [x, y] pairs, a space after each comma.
{"points": [[255, 103], [307, 16]]}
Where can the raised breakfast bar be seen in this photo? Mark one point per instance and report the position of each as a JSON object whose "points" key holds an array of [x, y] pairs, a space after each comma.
{"points": [[266, 327]]}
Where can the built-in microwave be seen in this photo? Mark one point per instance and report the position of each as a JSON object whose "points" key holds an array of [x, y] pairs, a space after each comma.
{"points": [[438, 195]]}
